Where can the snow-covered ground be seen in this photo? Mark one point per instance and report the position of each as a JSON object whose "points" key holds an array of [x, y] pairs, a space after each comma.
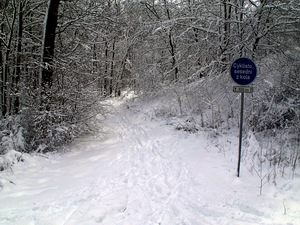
{"points": [[144, 172]]}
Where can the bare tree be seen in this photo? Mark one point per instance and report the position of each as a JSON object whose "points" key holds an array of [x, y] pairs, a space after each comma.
{"points": [[48, 49]]}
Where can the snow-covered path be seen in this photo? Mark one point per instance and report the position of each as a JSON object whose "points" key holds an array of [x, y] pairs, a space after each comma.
{"points": [[143, 173]]}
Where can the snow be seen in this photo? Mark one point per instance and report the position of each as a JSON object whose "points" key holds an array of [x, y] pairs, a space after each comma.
{"points": [[144, 172]]}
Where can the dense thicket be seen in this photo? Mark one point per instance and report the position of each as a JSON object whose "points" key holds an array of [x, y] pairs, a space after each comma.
{"points": [[182, 49]]}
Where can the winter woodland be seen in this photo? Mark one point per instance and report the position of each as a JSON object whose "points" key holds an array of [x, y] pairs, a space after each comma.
{"points": [[60, 61]]}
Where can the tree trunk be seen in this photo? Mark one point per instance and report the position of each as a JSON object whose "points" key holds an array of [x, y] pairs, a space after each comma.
{"points": [[172, 51], [112, 68], [16, 102], [106, 77], [3, 6], [239, 6], [2, 99], [227, 14], [6, 78], [172, 45], [46, 75]]}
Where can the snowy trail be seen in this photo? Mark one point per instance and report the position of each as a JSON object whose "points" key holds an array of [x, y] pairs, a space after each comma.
{"points": [[142, 173]]}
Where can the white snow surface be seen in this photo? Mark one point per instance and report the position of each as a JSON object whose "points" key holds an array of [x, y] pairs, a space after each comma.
{"points": [[144, 172]]}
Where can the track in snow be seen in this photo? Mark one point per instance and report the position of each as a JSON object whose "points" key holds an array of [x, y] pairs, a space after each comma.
{"points": [[141, 173]]}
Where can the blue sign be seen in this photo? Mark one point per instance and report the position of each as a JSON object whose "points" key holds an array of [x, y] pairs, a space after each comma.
{"points": [[243, 71]]}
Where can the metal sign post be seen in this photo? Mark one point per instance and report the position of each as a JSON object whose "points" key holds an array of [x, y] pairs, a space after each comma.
{"points": [[241, 134], [243, 72]]}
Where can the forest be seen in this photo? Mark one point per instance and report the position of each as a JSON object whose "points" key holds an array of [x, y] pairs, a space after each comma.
{"points": [[60, 58]]}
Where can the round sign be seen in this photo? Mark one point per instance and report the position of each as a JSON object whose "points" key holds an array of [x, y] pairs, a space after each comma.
{"points": [[243, 71]]}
